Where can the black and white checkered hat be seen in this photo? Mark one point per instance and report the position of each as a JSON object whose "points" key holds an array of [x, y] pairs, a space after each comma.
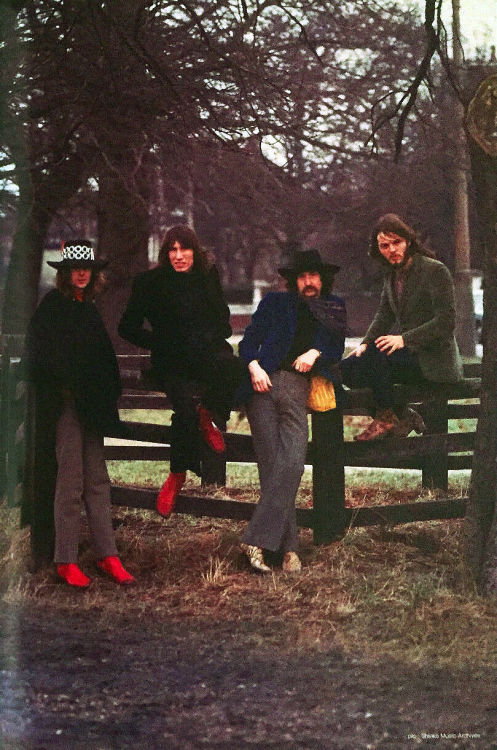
{"points": [[77, 254]]}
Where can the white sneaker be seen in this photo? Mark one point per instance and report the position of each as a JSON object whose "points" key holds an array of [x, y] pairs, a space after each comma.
{"points": [[255, 557]]}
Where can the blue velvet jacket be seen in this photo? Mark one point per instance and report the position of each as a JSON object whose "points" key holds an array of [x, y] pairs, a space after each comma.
{"points": [[270, 334]]}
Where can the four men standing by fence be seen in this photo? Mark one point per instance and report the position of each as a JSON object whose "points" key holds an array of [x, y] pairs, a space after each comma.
{"points": [[295, 339]]}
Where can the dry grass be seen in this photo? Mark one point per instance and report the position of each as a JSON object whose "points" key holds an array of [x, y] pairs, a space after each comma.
{"points": [[401, 593], [398, 592]]}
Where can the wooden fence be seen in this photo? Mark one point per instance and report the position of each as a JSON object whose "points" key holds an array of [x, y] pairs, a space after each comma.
{"points": [[433, 453]]}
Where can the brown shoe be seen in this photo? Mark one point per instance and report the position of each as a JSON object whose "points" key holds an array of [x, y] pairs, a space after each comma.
{"points": [[409, 421], [384, 423], [255, 557], [291, 563]]}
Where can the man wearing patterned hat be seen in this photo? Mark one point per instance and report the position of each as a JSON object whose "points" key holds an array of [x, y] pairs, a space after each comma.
{"points": [[73, 368], [293, 335]]}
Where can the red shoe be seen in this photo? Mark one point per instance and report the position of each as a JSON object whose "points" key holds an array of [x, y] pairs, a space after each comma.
{"points": [[169, 492], [113, 566], [211, 434], [73, 575]]}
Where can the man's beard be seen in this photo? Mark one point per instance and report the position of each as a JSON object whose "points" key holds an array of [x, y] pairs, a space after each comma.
{"points": [[307, 288], [401, 264]]}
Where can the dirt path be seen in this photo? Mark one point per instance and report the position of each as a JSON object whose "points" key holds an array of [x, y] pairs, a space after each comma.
{"points": [[77, 683]]}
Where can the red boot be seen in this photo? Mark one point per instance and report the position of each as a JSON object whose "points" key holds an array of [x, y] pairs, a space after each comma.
{"points": [[169, 492], [113, 566], [73, 575], [210, 433]]}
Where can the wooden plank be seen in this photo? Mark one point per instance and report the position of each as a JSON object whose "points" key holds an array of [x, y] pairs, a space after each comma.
{"points": [[143, 431], [463, 411], [396, 448], [162, 453], [460, 462], [432, 510], [143, 401], [328, 476], [137, 452], [408, 454], [435, 467], [214, 507], [472, 369], [467, 388]]}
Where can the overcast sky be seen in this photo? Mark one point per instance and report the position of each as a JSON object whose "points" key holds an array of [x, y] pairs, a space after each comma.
{"points": [[478, 22]]}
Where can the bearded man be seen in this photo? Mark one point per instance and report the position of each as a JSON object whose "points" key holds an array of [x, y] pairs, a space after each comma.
{"points": [[292, 336], [411, 338]]}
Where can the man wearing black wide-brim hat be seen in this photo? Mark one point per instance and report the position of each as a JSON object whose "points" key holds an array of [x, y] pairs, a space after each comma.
{"points": [[293, 336]]}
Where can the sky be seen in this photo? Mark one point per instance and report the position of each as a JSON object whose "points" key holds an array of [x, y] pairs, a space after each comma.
{"points": [[478, 22]]}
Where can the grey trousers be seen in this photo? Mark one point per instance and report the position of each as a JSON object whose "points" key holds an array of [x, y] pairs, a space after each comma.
{"points": [[81, 476], [278, 421]]}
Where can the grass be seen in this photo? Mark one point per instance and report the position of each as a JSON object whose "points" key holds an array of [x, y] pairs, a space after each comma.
{"points": [[399, 592]]}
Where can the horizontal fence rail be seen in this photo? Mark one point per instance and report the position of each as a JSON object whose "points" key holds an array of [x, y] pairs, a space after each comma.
{"points": [[434, 453]]}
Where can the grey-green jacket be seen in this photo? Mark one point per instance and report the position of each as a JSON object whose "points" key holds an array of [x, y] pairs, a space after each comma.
{"points": [[425, 318]]}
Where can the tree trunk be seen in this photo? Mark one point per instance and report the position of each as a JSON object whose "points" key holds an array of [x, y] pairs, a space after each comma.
{"points": [[480, 525], [465, 314], [23, 274], [40, 197], [123, 232]]}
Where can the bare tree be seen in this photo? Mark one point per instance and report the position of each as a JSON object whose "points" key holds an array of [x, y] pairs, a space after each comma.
{"points": [[481, 520]]}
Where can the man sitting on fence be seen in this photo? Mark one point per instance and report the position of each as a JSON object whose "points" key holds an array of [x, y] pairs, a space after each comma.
{"points": [[292, 336], [411, 337]]}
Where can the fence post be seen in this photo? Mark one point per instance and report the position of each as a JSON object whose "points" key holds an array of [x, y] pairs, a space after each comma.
{"points": [[213, 464], [328, 476], [435, 472]]}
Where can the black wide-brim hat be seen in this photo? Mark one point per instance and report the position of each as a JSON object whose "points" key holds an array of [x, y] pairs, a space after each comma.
{"points": [[77, 254], [307, 260]]}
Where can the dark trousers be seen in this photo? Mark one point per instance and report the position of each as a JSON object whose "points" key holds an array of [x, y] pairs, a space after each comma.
{"points": [[213, 387], [379, 371]]}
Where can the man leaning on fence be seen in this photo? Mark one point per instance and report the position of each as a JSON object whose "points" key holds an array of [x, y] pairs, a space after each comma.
{"points": [[411, 338], [292, 336]]}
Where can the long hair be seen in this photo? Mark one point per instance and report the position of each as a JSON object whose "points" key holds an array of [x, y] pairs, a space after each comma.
{"points": [[202, 259], [96, 284], [393, 224]]}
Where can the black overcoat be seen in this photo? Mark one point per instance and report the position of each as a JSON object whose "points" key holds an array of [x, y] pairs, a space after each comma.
{"points": [[181, 341], [67, 350]]}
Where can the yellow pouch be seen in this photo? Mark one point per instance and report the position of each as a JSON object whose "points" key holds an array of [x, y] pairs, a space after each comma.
{"points": [[321, 395]]}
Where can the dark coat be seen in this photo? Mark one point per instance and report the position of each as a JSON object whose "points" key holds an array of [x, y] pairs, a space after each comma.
{"points": [[269, 336], [425, 317], [182, 318], [67, 350]]}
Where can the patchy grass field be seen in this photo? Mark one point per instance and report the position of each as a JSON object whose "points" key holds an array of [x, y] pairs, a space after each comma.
{"points": [[401, 593], [381, 640]]}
